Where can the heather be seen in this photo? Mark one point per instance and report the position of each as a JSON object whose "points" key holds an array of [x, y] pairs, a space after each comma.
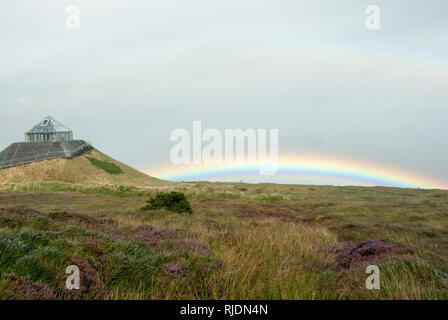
{"points": [[239, 241], [349, 255]]}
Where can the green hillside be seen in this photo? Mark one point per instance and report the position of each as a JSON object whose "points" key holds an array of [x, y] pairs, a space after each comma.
{"points": [[92, 168]]}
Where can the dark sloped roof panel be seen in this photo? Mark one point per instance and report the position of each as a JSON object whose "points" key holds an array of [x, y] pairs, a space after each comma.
{"points": [[27, 152]]}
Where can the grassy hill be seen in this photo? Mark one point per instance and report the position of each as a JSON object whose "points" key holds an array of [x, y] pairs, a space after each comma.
{"points": [[92, 168], [242, 241]]}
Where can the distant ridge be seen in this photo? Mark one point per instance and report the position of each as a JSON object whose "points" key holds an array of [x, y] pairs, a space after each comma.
{"points": [[21, 153]]}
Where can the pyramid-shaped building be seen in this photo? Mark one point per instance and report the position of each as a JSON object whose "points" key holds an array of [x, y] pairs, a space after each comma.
{"points": [[49, 139]]}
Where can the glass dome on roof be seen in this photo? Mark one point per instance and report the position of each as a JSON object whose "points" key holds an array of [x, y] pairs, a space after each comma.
{"points": [[47, 125], [49, 130]]}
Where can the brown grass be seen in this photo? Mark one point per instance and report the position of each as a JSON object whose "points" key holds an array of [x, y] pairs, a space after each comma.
{"points": [[76, 170]]}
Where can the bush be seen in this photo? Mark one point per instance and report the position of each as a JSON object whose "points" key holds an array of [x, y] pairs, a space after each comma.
{"points": [[107, 166], [173, 201]]}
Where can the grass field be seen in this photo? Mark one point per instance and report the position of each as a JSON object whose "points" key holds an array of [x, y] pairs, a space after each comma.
{"points": [[241, 242]]}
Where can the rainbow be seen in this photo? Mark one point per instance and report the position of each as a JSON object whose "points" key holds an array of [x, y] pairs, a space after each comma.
{"points": [[303, 169]]}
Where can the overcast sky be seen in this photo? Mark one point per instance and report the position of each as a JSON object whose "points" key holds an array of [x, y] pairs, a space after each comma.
{"points": [[137, 69]]}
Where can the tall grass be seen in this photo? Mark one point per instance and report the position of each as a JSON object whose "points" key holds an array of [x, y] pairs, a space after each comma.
{"points": [[275, 261], [262, 242]]}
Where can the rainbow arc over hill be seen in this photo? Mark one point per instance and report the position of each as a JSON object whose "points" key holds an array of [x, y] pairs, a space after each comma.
{"points": [[303, 169]]}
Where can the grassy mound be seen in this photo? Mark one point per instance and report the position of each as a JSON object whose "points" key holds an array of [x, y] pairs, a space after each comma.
{"points": [[91, 168]]}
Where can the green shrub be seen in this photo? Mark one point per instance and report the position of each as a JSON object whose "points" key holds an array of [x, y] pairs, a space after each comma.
{"points": [[173, 201], [106, 166]]}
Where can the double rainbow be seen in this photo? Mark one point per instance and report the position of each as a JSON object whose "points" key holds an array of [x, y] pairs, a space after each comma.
{"points": [[303, 169]]}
